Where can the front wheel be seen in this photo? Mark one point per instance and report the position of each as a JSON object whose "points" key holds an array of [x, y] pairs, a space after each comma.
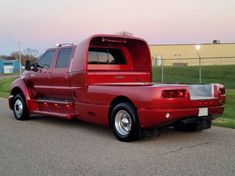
{"points": [[20, 109], [124, 122]]}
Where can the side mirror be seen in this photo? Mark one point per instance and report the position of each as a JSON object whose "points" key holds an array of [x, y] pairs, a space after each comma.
{"points": [[34, 67], [28, 65]]}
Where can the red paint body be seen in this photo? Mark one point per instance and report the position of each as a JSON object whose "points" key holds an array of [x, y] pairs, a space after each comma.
{"points": [[87, 91]]}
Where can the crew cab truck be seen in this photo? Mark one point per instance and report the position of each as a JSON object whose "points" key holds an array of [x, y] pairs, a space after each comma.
{"points": [[107, 80]]}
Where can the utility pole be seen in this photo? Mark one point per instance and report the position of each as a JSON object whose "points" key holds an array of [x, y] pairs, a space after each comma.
{"points": [[19, 53], [162, 66], [20, 59]]}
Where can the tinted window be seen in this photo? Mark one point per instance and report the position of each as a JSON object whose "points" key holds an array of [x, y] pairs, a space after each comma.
{"points": [[64, 57], [106, 56], [46, 59]]}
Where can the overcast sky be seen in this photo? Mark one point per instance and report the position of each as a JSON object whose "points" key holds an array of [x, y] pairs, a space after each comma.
{"points": [[40, 24]]}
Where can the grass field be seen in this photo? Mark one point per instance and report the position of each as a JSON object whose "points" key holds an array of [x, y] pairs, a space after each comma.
{"points": [[210, 74], [228, 119], [5, 86]]}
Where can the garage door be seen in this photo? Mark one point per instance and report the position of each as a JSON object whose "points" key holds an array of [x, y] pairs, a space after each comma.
{"points": [[8, 69]]}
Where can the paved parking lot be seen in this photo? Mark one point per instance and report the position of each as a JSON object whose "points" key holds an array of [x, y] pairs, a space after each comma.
{"points": [[50, 146]]}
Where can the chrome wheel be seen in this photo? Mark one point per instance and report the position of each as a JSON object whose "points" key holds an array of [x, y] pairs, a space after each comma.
{"points": [[123, 122], [18, 108]]}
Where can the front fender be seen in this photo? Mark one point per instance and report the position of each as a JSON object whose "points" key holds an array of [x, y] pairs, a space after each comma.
{"points": [[19, 86]]}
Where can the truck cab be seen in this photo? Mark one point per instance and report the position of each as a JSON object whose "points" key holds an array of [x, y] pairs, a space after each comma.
{"points": [[107, 80], [51, 80]]}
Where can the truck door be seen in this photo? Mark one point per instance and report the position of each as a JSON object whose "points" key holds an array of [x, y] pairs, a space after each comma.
{"points": [[41, 79], [60, 76]]}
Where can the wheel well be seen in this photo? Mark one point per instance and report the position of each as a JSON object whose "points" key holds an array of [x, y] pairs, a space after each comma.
{"points": [[16, 91], [117, 100]]}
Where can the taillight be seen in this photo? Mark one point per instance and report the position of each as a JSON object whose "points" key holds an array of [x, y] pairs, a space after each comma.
{"points": [[174, 93], [221, 91]]}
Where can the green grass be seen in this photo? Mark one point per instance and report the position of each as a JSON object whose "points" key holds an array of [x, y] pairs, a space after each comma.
{"points": [[228, 119], [210, 74], [5, 86]]}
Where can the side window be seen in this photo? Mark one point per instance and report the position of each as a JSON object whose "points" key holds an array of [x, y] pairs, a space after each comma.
{"points": [[64, 57], [106, 56], [46, 59]]}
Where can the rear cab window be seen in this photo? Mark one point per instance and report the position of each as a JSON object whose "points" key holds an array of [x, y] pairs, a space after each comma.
{"points": [[102, 58], [111, 56]]}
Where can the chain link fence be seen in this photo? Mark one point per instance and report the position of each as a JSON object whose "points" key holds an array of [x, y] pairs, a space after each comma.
{"points": [[192, 70], [158, 61]]}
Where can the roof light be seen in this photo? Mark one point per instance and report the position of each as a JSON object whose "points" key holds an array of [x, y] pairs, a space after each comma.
{"points": [[64, 44], [114, 40]]}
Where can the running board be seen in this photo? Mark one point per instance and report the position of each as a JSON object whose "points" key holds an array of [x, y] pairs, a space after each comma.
{"points": [[65, 116], [59, 108], [51, 101]]}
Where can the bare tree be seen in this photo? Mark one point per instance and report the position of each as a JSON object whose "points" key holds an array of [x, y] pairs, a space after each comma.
{"points": [[31, 52], [125, 33], [3, 56], [24, 57], [14, 55]]}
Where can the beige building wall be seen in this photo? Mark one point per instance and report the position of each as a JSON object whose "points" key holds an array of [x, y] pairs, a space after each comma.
{"points": [[186, 54]]}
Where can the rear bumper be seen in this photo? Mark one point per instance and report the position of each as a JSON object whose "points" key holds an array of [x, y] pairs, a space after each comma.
{"points": [[157, 117]]}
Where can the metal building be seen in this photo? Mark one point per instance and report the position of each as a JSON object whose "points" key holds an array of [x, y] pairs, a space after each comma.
{"points": [[9, 66], [215, 53]]}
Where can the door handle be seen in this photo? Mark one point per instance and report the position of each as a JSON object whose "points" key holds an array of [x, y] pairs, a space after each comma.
{"points": [[49, 75]]}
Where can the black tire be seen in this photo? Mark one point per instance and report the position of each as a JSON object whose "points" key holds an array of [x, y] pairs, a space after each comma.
{"points": [[207, 124], [20, 108], [124, 122]]}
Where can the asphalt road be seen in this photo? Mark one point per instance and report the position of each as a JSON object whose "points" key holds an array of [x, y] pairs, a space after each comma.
{"points": [[49, 146], [8, 76]]}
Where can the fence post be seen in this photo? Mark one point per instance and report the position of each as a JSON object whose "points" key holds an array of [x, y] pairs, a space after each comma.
{"points": [[198, 47], [200, 69], [162, 70]]}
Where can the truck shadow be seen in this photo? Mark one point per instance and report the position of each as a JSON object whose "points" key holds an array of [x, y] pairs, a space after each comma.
{"points": [[73, 124], [95, 129]]}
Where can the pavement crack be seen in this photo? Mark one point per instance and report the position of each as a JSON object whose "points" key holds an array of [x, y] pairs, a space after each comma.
{"points": [[187, 147]]}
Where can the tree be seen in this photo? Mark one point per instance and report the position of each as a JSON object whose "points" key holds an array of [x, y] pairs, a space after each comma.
{"points": [[31, 52], [14, 55], [125, 33], [3, 56], [24, 57]]}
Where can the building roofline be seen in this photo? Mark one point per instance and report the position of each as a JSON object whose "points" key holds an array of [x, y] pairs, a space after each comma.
{"points": [[191, 44]]}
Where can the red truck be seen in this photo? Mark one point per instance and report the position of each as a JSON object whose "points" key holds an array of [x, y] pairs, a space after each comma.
{"points": [[107, 80]]}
